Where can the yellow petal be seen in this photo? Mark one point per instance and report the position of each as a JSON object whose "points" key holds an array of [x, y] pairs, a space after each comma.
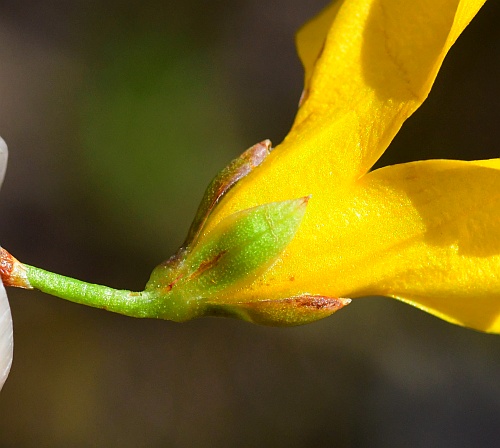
{"points": [[378, 61], [445, 257], [426, 232], [310, 40]]}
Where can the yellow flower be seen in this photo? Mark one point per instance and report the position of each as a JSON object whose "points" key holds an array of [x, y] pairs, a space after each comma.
{"points": [[288, 236], [427, 232]]}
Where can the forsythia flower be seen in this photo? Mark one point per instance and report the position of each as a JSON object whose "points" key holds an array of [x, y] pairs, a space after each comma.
{"points": [[282, 236], [6, 341], [426, 233]]}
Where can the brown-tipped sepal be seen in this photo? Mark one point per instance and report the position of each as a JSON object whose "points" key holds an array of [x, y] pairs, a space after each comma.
{"points": [[287, 312], [223, 182], [13, 271]]}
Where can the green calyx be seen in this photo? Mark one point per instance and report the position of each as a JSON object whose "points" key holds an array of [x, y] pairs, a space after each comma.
{"points": [[234, 253]]}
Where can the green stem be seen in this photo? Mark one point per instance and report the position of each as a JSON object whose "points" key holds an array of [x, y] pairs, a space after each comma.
{"points": [[135, 304]]}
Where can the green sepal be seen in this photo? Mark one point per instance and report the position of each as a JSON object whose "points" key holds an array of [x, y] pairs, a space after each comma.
{"points": [[287, 312], [223, 182], [234, 253]]}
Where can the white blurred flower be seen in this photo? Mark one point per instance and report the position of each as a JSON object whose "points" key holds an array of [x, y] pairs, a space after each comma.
{"points": [[6, 335]]}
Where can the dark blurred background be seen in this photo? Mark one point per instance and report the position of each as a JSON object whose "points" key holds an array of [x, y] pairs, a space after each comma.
{"points": [[117, 114]]}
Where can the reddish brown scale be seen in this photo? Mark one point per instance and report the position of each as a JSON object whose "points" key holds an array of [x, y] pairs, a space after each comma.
{"points": [[303, 96], [302, 302], [305, 92], [223, 182], [204, 266], [316, 302], [169, 287], [319, 302], [248, 161], [6, 266], [208, 264], [12, 271], [292, 310]]}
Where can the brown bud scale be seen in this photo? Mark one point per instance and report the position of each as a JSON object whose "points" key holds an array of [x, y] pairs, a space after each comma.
{"points": [[12, 271]]}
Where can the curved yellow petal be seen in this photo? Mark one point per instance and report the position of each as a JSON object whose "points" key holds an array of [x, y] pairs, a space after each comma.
{"points": [[361, 92], [310, 40], [360, 96], [448, 262], [426, 232], [378, 62]]}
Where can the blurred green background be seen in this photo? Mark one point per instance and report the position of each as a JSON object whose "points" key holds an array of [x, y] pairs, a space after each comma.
{"points": [[117, 114]]}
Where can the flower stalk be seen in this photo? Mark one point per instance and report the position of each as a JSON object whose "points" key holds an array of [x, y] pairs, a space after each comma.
{"points": [[17, 274], [129, 303], [203, 277]]}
